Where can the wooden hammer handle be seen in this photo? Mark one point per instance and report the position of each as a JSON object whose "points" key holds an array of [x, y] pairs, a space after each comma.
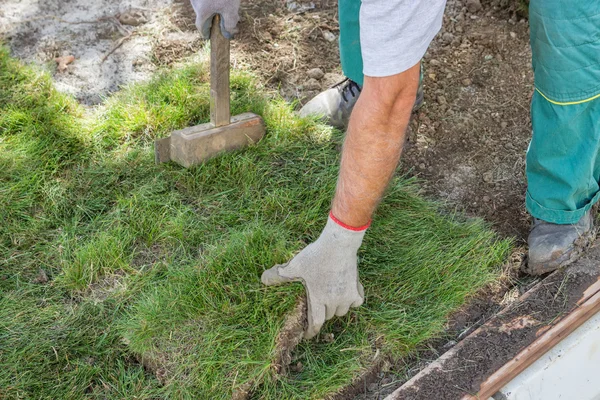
{"points": [[220, 114]]}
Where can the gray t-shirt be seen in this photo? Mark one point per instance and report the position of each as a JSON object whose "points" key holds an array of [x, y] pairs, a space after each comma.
{"points": [[395, 34]]}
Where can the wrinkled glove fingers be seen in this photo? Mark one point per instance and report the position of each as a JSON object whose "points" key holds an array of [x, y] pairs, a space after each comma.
{"points": [[228, 27], [316, 319], [205, 27], [361, 293], [329, 312], [272, 276], [342, 310]]}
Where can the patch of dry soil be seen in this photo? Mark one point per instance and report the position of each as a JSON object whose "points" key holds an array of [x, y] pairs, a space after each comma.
{"points": [[112, 41]]}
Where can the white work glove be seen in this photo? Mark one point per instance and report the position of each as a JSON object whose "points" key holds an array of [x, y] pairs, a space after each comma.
{"points": [[329, 272], [207, 9]]}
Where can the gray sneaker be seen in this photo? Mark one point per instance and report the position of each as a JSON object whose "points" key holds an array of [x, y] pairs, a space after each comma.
{"points": [[553, 246], [335, 104]]}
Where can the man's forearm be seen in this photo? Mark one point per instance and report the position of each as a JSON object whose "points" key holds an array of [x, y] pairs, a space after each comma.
{"points": [[373, 145]]}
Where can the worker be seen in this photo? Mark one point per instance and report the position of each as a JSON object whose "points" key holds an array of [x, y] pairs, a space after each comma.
{"points": [[381, 46]]}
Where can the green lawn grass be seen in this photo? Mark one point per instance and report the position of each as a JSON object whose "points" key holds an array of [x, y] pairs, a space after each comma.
{"points": [[164, 262]]}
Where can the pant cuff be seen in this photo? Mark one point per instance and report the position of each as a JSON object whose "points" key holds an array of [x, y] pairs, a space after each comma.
{"points": [[354, 75], [560, 217]]}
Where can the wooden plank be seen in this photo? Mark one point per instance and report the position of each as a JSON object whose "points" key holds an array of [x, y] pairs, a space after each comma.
{"points": [[220, 114], [193, 145], [589, 292], [538, 348]]}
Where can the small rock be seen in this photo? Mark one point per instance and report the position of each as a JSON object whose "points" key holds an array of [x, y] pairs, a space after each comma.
{"points": [[513, 35], [330, 37], [316, 73], [486, 199], [488, 177], [63, 62], [442, 100], [422, 166], [138, 61], [312, 84], [503, 124], [293, 6], [373, 387], [434, 62], [466, 82], [41, 277], [447, 37], [474, 6], [133, 18]]}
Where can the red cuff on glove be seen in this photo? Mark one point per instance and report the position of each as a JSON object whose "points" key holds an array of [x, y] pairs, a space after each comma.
{"points": [[351, 228]]}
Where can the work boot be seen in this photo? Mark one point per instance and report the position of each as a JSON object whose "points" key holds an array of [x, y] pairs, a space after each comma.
{"points": [[335, 104], [552, 246]]}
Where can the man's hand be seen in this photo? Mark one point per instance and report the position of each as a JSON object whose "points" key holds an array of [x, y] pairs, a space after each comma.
{"points": [[207, 9], [328, 270]]}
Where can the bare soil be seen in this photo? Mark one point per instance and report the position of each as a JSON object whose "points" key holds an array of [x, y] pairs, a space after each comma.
{"points": [[112, 41]]}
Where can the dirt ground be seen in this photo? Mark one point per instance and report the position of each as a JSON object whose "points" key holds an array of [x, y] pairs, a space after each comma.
{"points": [[467, 143]]}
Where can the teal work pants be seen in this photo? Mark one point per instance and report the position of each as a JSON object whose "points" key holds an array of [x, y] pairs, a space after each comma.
{"points": [[350, 53], [563, 160]]}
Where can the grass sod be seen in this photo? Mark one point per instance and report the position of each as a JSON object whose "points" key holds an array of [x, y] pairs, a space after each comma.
{"points": [[165, 262]]}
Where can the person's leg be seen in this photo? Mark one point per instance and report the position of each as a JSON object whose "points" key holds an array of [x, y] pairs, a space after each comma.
{"points": [[394, 35], [373, 144], [562, 160], [563, 165], [563, 170]]}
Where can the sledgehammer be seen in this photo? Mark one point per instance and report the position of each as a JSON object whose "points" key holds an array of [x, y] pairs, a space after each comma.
{"points": [[193, 145]]}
